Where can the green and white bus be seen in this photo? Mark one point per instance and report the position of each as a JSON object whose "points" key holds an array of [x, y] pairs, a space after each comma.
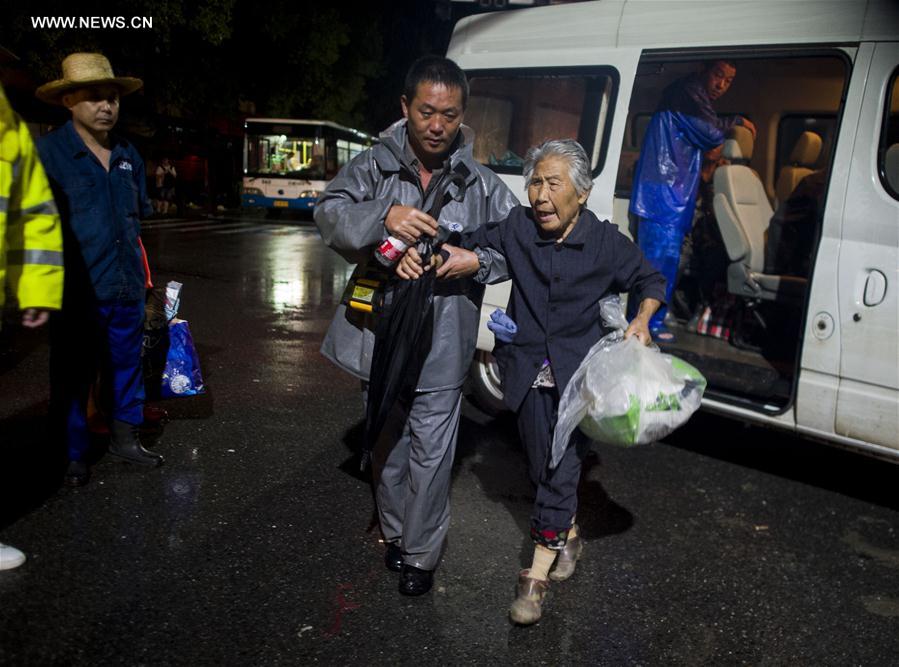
{"points": [[287, 163]]}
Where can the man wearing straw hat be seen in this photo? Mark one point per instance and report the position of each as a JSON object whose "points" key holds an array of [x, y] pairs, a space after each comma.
{"points": [[99, 183]]}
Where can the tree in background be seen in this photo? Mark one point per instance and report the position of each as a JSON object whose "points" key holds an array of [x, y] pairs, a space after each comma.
{"points": [[204, 57]]}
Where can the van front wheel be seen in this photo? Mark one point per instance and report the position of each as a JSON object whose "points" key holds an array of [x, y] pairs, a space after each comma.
{"points": [[484, 388]]}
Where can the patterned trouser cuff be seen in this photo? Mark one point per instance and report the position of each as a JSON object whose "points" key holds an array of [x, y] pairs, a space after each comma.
{"points": [[551, 539]]}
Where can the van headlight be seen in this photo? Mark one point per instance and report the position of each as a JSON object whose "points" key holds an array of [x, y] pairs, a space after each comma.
{"points": [[311, 194]]}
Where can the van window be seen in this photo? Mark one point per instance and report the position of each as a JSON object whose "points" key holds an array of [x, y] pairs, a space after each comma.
{"points": [[791, 128], [512, 110], [889, 143]]}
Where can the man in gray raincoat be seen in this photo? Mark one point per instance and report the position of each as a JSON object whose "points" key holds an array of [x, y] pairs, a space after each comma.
{"points": [[384, 192]]}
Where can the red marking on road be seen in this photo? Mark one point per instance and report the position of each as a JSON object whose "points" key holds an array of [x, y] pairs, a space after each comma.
{"points": [[343, 606]]}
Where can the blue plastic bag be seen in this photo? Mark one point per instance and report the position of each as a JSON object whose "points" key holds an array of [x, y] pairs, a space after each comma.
{"points": [[181, 376]]}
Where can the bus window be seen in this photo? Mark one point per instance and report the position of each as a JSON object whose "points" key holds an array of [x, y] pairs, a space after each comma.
{"points": [[289, 162], [514, 110], [889, 143], [284, 154]]}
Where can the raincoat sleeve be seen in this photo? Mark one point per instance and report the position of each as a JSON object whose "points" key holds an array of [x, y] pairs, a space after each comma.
{"points": [[491, 256], [633, 272], [349, 215], [700, 133]]}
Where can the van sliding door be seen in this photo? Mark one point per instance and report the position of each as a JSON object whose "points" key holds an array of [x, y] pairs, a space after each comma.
{"points": [[868, 395], [747, 264]]}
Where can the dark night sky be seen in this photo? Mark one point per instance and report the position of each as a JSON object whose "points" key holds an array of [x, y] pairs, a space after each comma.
{"points": [[406, 29]]}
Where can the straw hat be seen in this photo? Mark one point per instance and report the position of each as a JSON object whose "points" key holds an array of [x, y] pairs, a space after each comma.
{"points": [[85, 69]]}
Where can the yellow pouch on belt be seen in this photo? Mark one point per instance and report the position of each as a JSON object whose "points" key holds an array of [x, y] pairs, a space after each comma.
{"points": [[365, 290]]}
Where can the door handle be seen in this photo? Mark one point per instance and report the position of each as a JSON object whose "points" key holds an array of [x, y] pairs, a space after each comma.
{"points": [[875, 288]]}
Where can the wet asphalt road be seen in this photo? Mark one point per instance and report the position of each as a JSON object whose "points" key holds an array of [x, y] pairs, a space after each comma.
{"points": [[254, 544]]}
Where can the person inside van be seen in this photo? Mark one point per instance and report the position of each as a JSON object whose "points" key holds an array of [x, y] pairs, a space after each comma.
{"points": [[793, 228], [707, 259], [562, 260], [666, 177]]}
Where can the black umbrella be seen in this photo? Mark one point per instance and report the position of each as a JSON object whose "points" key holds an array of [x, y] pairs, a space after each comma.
{"points": [[404, 328]]}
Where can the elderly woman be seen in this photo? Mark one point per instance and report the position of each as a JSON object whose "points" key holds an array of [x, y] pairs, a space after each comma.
{"points": [[562, 260]]}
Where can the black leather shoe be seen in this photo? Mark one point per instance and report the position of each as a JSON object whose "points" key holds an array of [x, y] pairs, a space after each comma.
{"points": [[125, 445], [415, 581], [393, 557], [77, 474]]}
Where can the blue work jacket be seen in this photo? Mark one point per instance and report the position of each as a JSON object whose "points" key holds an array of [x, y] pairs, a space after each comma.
{"points": [[556, 288], [100, 213]]}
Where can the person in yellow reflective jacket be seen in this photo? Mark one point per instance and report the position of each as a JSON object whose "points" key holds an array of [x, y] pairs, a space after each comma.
{"points": [[31, 267]]}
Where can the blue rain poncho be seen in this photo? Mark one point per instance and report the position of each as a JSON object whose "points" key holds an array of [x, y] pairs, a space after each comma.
{"points": [[682, 128]]}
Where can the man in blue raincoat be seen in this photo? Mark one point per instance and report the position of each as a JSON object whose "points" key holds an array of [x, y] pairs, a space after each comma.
{"points": [[666, 178]]}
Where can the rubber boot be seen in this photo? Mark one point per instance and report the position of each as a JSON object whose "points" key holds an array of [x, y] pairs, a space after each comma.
{"points": [[125, 445]]}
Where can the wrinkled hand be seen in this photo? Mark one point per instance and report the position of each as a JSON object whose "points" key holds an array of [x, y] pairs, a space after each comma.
{"points": [[32, 318], [409, 267], [460, 263], [639, 328], [502, 326], [749, 125], [407, 224]]}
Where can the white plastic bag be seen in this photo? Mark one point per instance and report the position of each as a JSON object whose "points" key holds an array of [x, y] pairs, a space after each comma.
{"points": [[626, 393]]}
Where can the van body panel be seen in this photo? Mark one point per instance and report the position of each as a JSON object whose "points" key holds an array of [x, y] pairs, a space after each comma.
{"points": [[524, 31], [881, 21], [816, 402], [877, 404], [869, 256], [784, 420], [496, 296], [728, 23], [871, 449], [650, 24], [816, 395]]}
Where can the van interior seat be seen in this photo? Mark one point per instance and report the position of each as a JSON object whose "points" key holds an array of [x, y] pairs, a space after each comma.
{"points": [[743, 214], [891, 166], [739, 144], [802, 161]]}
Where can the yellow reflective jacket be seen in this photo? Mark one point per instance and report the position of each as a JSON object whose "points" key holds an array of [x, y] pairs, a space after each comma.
{"points": [[31, 266]]}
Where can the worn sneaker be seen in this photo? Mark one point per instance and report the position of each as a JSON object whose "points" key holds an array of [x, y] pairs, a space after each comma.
{"points": [[528, 606], [10, 557]]}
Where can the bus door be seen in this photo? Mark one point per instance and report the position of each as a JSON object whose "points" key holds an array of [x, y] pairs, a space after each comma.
{"points": [[868, 395]]}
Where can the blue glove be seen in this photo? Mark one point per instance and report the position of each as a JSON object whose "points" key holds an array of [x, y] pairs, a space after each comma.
{"points": [[502, 326]]}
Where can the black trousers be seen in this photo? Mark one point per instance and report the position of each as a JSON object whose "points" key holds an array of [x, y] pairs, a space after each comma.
{"points": [[556, 502]]}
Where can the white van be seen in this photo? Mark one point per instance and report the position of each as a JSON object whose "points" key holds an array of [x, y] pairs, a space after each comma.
{"points": [[812, 348]]}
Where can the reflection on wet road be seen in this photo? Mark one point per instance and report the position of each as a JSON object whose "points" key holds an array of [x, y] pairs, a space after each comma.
{"points": [[253, 544]]}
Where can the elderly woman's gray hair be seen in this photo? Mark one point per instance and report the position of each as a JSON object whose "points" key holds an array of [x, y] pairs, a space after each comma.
{"points": [[572, 151]]}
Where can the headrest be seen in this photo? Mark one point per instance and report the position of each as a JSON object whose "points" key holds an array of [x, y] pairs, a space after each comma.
{"points": [[738, 144], [807, 150], [891, 166]]}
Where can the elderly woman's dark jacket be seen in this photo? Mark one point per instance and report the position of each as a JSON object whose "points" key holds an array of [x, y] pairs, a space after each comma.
{"points": [[556, 288]]}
